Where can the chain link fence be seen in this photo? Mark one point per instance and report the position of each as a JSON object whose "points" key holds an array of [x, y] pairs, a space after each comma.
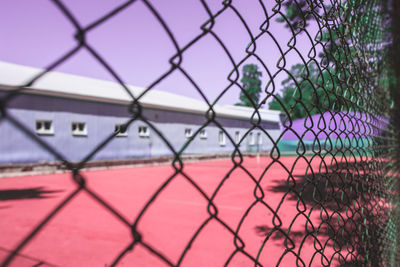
{"points": [[348, 195]]}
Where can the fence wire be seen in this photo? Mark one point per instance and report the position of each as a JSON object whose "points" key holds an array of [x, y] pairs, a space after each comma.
{"points": [[353, 190]]}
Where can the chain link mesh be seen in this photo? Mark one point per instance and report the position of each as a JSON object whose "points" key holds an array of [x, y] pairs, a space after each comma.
{"points": [[348, 197]]}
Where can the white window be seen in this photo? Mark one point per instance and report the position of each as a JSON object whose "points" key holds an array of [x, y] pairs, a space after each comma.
{"points": [[251, 139], [121, 130], [221, 138], [237, 137], [188, 132], [78, 128], [44, 127], [143, 131], [203, 134], [259, 139]]}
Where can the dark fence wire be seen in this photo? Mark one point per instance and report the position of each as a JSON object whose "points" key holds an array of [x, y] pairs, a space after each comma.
{"points": [[353, 188]]}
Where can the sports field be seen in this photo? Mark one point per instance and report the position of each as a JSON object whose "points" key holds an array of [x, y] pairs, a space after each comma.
{"points": [[84, 233]]}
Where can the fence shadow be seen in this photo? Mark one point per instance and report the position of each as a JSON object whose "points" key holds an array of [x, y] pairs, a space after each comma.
{"points": [[353, 214], [27, 193]]}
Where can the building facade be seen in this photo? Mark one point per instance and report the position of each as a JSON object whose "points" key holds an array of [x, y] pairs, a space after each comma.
{"points": [[74, 114]]}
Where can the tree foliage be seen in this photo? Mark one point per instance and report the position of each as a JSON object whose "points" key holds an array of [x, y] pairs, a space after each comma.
{"points": [[334, 83], [297, 14], [251, 84], [307, 91]]}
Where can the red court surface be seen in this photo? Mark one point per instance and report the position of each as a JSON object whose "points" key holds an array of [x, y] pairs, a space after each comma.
{"points": [[85, 233]]}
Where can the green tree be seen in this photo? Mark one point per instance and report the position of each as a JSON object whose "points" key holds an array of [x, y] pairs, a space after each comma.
{"points": [[307, 90], [251, 84], [334, 83]]}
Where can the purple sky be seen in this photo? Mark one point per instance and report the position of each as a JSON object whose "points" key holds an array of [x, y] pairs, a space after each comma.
{"points": [[36, 33]]}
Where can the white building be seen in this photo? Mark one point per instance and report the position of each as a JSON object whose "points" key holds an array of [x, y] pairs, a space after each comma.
{"points": [[74, 114]]}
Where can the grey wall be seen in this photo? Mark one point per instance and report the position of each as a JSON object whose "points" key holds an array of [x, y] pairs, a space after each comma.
{"points": [[100, 119]]}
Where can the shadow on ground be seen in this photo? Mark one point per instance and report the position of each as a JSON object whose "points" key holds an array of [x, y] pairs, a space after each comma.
{"points": [[27, 193], [352, 214]]}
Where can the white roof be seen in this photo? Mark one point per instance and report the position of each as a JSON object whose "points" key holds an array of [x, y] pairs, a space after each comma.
{"points": [[79, 87]]}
